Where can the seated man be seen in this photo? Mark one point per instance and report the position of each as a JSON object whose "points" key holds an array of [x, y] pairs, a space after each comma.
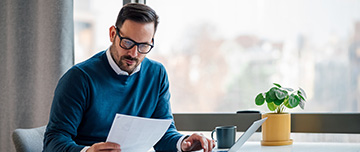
{"points": [[118, 80]]}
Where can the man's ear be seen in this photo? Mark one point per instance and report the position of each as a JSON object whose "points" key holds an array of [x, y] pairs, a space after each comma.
{"points": [[112, 33]]}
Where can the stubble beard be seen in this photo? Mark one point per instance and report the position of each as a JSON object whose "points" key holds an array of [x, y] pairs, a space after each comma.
{"points": [[129, 68]]}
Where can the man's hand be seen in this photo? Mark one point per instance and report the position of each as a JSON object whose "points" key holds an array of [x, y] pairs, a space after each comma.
{"points": [[104, 147], [197, 142]]}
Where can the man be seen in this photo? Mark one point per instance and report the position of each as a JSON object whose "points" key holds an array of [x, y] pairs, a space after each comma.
{"points": [[118, 80]]}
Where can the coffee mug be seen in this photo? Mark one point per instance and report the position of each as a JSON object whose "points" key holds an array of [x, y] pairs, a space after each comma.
{"points": [[225, 136]]}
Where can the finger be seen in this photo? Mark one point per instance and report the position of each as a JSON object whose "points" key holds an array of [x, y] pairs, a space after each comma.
{"points": [[204, 143], [210, 144], [192, 143], [207, 144], [186, 145], [107, 146]]}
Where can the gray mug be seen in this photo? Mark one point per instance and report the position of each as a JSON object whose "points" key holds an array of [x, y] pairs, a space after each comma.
{"points": [[225, 136]]}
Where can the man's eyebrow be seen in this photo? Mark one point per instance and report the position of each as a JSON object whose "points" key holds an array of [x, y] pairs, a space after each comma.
{"points": [[151, 40]]}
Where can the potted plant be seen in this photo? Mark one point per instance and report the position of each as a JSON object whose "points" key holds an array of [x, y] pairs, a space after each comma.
{"points": [[276, 129]]}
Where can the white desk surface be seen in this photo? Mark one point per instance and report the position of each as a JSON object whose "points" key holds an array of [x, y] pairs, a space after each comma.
{"points": [[252, 146]]}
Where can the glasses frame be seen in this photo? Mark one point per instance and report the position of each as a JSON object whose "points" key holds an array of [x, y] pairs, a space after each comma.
{"points": [[135, 43]]}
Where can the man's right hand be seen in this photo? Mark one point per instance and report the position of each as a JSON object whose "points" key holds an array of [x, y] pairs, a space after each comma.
{"points": [[104, 147]]}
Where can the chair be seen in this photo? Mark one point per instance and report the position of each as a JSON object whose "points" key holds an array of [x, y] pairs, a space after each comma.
{"points": [[29, 140]]}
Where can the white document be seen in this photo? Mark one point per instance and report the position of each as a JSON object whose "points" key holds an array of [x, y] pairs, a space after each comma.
{"points": [[137, 134]]}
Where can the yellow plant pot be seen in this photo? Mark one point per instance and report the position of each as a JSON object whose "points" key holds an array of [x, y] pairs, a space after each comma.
{"points": [[276, 129]]}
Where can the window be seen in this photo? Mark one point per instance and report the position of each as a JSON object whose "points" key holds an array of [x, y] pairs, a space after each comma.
{"points": [[220, 54]]}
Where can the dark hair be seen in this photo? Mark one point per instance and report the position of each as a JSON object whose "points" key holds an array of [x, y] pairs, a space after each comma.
{"points": [[137, 12]]}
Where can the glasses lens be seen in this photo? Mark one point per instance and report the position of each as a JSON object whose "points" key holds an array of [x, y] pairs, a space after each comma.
{"points": [[126, 43], [144, 48]]}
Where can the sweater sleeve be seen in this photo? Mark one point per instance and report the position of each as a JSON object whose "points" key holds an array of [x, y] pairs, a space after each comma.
{"points": [[66, 112], [163, 111]]}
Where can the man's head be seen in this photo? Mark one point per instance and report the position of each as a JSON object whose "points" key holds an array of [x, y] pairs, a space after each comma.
{"points": [[132, 36], [137, 12]]}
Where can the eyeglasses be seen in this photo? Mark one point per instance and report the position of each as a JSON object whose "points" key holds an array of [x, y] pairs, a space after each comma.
{"points": [[127, 44]]}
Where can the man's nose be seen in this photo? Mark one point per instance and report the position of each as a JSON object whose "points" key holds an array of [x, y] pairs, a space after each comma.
{"points": [[133, 51]]}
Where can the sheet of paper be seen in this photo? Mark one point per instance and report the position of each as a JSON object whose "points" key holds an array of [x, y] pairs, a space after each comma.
{"points": [[137, 134]]}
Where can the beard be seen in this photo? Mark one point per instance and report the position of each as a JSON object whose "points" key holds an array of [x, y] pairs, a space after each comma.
{"points": [[128, 64]]}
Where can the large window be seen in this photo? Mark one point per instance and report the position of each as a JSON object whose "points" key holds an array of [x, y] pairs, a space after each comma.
{"points": [[220, 54]]}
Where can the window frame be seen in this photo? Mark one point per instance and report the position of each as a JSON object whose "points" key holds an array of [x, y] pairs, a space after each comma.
{"points": [[345, 123]]}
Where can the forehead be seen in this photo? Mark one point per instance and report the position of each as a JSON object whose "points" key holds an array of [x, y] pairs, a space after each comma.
{"points": [[139, 32]]}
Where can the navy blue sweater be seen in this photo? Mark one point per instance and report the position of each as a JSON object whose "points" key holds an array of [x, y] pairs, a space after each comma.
{"points": [[89, 95]]}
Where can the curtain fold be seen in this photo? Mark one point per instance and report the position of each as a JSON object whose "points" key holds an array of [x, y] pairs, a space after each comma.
{"points": [[37, 45]]}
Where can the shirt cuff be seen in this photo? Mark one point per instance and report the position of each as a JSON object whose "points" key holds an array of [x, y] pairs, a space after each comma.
{"points": [[178, 144], [85, 149]]}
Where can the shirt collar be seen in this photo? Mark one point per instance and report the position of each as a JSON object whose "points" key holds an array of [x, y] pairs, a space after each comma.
{"points": [[116, 68]]}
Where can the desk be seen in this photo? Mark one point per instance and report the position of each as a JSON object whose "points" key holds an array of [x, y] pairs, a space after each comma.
{"points": [[251, 146]]}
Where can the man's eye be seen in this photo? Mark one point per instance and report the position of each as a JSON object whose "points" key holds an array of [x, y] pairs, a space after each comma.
{"points": [[127, 43]]}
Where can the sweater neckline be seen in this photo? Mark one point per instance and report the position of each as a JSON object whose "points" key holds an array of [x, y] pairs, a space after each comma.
{"points": [[113, 73]]}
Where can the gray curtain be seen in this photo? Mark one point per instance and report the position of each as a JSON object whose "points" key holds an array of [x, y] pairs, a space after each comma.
{"points": [[36, 48]]}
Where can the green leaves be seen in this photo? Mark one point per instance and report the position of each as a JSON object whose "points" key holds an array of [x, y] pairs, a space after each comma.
{"points": [[271, 106], [278, 85], [280, 94], [270, 95], [276, 95], [302, 95], [277, 98], [294, 100], [259, 100]]}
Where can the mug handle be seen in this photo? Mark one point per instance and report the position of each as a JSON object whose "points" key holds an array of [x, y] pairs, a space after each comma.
{"points": [[212, 133]]}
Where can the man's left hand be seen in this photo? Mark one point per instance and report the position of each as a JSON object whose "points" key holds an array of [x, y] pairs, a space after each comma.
{"points": [[197, 142]]}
